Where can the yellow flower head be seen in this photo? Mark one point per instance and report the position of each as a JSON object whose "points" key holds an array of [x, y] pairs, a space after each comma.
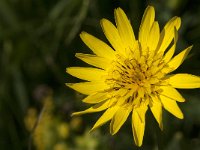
{"points": [[133, 75]]}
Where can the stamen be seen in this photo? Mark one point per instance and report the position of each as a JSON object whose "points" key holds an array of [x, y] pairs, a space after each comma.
{"points": [[139, 77]]}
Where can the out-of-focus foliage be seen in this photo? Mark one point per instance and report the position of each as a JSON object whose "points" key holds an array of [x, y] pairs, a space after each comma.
{"points": [[38, 40], [49, 131]]}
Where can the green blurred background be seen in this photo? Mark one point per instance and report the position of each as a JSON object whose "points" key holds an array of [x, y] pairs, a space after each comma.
{"points": [[38, 40]]}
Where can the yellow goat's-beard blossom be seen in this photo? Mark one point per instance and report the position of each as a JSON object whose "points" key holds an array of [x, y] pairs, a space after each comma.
{"points": [[133, 75]]}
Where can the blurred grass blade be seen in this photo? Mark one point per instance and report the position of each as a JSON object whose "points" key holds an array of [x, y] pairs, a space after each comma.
{"points": [[61, 8], [8, 16], [20, 89], [78, 21]]}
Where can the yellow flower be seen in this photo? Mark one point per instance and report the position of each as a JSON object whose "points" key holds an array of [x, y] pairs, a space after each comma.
{"points": [[133, 75]]}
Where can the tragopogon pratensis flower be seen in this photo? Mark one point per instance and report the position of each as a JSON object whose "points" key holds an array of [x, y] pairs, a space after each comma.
{"points": [[133, 75]]}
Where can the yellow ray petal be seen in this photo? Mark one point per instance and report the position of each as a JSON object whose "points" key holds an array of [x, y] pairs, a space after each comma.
{"points": [[141, 92], [137, 51], [171, 106], [96, 108], [124, 27], [178, 59], [97, 46], [184, 81], [142, 111], [112, 35], [108, 114], [146, 23], [96, 98], [138, 126], [169, 54], [156, 109], [94, 60], [86, 73], [172, 93], [167, 33], [154, 36], [87, 88], [119, 118]]}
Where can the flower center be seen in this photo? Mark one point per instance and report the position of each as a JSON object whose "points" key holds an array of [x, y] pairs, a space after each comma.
{"points": [[135, 80]]}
